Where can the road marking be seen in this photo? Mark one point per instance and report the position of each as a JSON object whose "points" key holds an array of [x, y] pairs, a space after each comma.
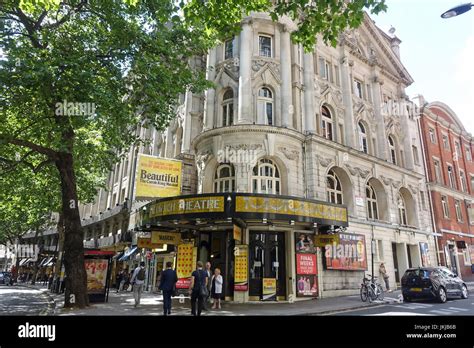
{"points": [[459, 309], [443, 311], [396, 313]]}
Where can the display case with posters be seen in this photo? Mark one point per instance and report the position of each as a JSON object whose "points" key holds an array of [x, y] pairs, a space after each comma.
{"points": [[98, 269], [306, 266], [347, 255]]}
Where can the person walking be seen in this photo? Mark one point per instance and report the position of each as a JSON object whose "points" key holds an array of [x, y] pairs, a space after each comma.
{"points": [[383, 272], [124, 279], [167, 285], [198, 288], [138, 279], [216, 288], [207, 300]]}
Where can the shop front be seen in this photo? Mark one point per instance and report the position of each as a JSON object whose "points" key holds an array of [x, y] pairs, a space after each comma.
{"points": [[251, 238]]}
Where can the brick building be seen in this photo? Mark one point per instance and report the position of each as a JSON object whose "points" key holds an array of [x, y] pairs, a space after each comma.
{"points": [[450, 176]]}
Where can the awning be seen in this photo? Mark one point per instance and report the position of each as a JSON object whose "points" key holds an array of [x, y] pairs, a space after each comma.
{"points": [[128, 254], [23, 262], [46, 261], [50, 262], [118, 256], [43, 262]]}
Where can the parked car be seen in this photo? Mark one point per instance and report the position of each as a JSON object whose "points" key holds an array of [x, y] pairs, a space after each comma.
{"points": [[432, 282], [6, 278]]}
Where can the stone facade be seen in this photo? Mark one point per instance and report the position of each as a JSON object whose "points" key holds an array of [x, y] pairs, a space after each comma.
{"points": [[303, 112]]}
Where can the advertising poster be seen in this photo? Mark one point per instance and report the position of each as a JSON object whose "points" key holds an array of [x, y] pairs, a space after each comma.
{"points": [[96, 270], [157, 177], [347, 255], [321, 240], [185, 265], [147, 243], [237, 233], [241, 268], [269, 289], [425, 256], [304, 243], [306, 275]]}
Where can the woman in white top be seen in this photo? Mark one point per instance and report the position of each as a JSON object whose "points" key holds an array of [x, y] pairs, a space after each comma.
{"points": [[216, 289]]}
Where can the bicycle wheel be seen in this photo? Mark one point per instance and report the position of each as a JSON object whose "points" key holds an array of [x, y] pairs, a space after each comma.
{"points": [[363, 293], [371, 294], [380, 292]]}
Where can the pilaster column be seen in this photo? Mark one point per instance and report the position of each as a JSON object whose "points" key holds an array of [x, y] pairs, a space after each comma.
{"points": [[186, 144], [210, 95], [308, 76], [349, 124], [245, 84], [285, 68], [379, 119]]}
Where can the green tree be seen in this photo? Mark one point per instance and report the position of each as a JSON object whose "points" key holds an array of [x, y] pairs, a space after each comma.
{"points": [[126, 64]]}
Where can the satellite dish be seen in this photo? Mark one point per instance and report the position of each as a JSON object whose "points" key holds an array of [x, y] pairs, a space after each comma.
{"points": [[392, 30]]}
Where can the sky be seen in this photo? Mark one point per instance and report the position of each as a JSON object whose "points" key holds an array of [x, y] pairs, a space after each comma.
{"points": [[438, 53]]}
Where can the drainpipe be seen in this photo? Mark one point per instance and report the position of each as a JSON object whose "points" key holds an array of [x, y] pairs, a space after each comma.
{"points": [[425, 169]]}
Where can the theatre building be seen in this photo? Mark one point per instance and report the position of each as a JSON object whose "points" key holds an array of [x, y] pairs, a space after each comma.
{"points": [[450, 172], [297, 167]]}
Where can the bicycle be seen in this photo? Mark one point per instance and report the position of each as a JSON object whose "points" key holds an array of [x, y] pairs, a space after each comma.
{"points": [[370, 290]]}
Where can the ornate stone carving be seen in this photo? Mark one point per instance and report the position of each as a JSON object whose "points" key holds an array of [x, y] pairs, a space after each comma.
{"points": [[351, 169], [245, 147], [290, 154], [324, 161], [414, 189], [364, 173], [396, 184], [386, 181], [259, 64]]}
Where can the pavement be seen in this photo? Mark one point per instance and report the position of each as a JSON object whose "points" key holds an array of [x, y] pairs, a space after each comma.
{"points": [[120, 304], [152, 304]]}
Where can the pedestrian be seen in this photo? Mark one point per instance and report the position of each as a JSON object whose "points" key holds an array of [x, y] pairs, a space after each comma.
{"points": [[124, 279], [118, 280], [209, 273], [168, 286], [216, 288], [385, 276], [198, 288], [138, 278]]}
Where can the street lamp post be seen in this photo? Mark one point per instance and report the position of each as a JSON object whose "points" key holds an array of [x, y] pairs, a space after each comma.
{"points": [[456, 11]]}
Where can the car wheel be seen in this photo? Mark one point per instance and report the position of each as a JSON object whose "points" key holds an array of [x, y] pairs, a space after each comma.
{"points": [[464, 292], [406, 298], [442, 297]]}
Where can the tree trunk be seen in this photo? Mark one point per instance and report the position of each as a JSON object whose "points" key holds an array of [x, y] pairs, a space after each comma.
{"points": [[76, 277], [59, 253]]}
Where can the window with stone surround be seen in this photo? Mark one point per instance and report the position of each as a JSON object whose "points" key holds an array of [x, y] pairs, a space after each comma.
{"points": [[228, 108], [333, 188], [445, 206], [265, 106], [266, 178], [265, 46], [224, 178], [326, 123], [363, 144], [229, 48], [371, 197]]}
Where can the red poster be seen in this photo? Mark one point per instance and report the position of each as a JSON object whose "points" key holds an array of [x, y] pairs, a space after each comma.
{"points": [[305, 264]]}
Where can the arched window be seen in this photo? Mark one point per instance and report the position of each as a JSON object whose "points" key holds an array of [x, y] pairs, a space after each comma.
{"points": [[392, 150], [333, 188], [265, 106], [372, 209], [228, 108], [266, 178], [224, 179], [326, 123], [402, 211], [363, 138]]}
